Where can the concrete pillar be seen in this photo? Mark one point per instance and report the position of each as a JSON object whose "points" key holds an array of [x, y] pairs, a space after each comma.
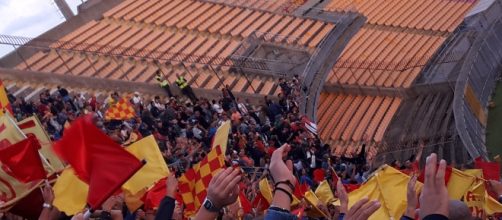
{"points": [[64, 8]]}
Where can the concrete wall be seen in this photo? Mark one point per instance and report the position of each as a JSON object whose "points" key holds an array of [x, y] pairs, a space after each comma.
{"points": [[94, 12], [107, 85]]}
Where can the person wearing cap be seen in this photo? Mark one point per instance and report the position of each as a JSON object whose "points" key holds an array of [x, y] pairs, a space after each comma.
{"points": [[186, 89], [163, 83], [136, 100]]}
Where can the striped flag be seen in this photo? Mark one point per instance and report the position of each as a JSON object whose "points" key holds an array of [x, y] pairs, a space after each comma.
{"points": [[4, 100], [193, 184], [122, 110], [309, 125]]}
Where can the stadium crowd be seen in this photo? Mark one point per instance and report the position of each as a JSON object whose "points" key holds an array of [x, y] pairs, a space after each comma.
{"points": [[261, 137]]}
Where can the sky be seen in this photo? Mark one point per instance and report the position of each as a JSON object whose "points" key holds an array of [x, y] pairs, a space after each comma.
{"points": [[29, 18]]}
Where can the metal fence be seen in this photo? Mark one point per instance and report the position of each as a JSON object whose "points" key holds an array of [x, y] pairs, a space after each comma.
{"points": [[478, 74]]}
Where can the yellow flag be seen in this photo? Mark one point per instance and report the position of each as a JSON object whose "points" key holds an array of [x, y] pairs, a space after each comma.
{"points": [[474, 172], [32, 126], [70, 193], [393, 186], [154, 169], [479, 202], [221, 137], [313, 201], [133, 201], [324, 193], [388, 186], [9, 132], [492, 206], [459, 183], [4, 100], [266, 192]]}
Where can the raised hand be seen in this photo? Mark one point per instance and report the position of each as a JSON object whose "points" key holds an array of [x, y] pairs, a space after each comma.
{"points": [[362, 210], [47, 193], [342, 196], [280, 170], [412, 198], [223, 188], [434, 196], [172, 185]]}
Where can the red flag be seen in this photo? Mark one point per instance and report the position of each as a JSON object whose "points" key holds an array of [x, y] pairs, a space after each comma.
{"points": [[318, 175], [259, 202], [300, 189], [491, 170], [155, 195], [22, 161], [298, 212], [351, 187], [96, 159], [244, 202]]}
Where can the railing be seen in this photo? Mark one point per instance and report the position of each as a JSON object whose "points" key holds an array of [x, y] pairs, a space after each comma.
{"points": [[142, 54], [478, 74]]}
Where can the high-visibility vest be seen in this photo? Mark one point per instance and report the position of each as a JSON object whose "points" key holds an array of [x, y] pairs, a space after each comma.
{"points": [[181, 82], [163, 83]]}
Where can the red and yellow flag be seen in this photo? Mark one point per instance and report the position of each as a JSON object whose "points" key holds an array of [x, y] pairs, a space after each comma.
{"points": [[4, 101], [11, 189], [32, 126], [122, 110], [194, 182]]}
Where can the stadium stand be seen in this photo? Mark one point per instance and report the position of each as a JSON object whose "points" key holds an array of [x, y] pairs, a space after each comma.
{"points": [[387, 83]]}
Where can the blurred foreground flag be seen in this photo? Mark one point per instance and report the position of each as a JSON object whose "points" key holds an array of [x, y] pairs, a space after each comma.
{"points": [[32, 126], [70, 193], [154, 169], [22, 161], [97, 160], [12, 190], [4, 101]]}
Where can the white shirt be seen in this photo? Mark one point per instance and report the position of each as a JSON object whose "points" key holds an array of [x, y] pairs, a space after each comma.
{"points": [[217, 108], [242, 108], [137, 100]]}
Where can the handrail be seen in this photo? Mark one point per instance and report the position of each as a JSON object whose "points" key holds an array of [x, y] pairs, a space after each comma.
{"points": [[130, 52]]}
